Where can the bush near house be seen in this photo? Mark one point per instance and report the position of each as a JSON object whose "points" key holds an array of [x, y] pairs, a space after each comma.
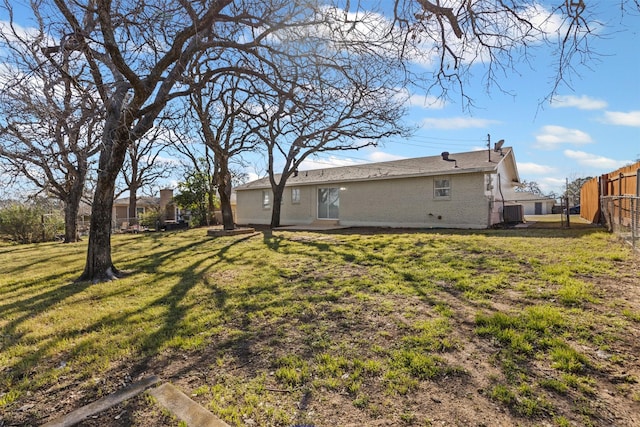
{"points": [[151, 218]]}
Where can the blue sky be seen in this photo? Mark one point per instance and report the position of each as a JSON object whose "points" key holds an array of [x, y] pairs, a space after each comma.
{"points": [[592, 127]]}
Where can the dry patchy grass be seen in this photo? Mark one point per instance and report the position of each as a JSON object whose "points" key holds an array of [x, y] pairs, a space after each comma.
{"points": [[358, 327]]}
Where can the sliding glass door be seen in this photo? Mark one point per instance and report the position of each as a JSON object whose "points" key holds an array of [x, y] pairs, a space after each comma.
{"points": [[328, 203]]}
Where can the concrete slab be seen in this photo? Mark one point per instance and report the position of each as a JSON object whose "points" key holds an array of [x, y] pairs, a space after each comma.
{"points": [[311, 227], [103, 404], [184, 408]]}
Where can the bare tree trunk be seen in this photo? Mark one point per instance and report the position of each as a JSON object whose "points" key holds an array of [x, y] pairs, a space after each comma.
{"points": [[227, 212], [99, 266], [211, 203], [223, 178], [133, 201], [225, 205], [278, 191], [71, 207]]}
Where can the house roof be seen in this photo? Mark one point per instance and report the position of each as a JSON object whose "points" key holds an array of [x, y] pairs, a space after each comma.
{"points": [[141, 201], [527, 196], [468, 162]]}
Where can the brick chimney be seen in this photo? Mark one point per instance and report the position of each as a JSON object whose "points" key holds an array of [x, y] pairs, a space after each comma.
{"points": [[166, 204]]}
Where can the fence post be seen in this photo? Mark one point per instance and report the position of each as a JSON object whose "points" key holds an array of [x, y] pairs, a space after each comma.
{"points": [[635, 212], [620, 200]]}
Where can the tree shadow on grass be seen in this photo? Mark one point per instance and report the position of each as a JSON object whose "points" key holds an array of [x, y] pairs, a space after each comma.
{"points": [[13, 332]]}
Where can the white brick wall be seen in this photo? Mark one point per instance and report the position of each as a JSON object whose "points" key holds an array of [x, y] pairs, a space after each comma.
{"points": [[403, 202]]}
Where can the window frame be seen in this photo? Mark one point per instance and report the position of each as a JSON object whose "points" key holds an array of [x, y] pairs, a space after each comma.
{"points": [[266, 199], [331, 191], [295, 195], [439, 186]]}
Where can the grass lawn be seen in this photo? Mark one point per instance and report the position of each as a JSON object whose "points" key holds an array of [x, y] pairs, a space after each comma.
{"points": [[350, 328]]}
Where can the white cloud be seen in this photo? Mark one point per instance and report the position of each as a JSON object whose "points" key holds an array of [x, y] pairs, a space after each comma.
{"points": [[457, 123], [327, 162], [381, 156], [14, 32], [252, 176], [534, 168], [536, 24], [551, 184], [551, 136], [632, 118], [427, 102], [594, 160], [335, 161], [580, 102]]}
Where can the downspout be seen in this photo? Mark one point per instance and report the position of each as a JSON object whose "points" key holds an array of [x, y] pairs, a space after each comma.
{"points": [[490, 200], [501, 195]]}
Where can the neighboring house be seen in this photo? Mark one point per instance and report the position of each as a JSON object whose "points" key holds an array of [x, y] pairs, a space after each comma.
{"points": [[164, 203], [461, 190], [533, 204], [218, 212]]}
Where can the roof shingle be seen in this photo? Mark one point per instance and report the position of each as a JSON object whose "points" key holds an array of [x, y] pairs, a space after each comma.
{"points": [[467, 162]]}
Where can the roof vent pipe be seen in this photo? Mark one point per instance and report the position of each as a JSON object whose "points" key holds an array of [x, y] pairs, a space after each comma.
{"points": [[445, 156]]}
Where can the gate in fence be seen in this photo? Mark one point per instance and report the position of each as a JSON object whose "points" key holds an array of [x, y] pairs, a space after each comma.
{"points": [[621, 214]]}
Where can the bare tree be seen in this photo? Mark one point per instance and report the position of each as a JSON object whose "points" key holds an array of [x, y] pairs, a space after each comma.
{"points": [[50, 118], [142, 167], [452, 37], [196, 158], [136, 54], [530, 187], [572, 190], [327, 91], [221, 106]]}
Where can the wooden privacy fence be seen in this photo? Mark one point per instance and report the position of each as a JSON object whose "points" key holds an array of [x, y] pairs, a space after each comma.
{"points": [[622, 182], [590, 200], [613, 199]]}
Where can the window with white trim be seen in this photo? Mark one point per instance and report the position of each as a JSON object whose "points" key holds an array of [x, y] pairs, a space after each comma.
{"points": [[441, 188], [266, 199], [295, 195]]}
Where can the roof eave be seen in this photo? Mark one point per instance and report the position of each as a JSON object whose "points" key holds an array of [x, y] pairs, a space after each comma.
{"points": [[453, 171]]}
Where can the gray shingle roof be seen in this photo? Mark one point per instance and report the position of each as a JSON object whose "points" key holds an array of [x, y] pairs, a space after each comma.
{"points": [[468, 162]]}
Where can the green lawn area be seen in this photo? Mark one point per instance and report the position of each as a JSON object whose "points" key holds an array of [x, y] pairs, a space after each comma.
{"points": [[357, 327]]}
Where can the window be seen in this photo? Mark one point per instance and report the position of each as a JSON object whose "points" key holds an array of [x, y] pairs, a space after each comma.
{"points": [[295, 195], [441, 188], [139, 212], [266, 199]]}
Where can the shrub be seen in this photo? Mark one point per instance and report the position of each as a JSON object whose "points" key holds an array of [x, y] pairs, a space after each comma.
{"points": [[151, 218], [29, 224]]}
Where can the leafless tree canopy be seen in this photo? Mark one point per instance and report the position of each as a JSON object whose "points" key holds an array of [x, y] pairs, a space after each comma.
{"points": [[315, 76], [50, 118]]}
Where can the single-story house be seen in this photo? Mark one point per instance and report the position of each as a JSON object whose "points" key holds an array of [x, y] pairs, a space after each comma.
{"points": [[533, 204], [164, 204], [218, 212], [460, 190]]}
